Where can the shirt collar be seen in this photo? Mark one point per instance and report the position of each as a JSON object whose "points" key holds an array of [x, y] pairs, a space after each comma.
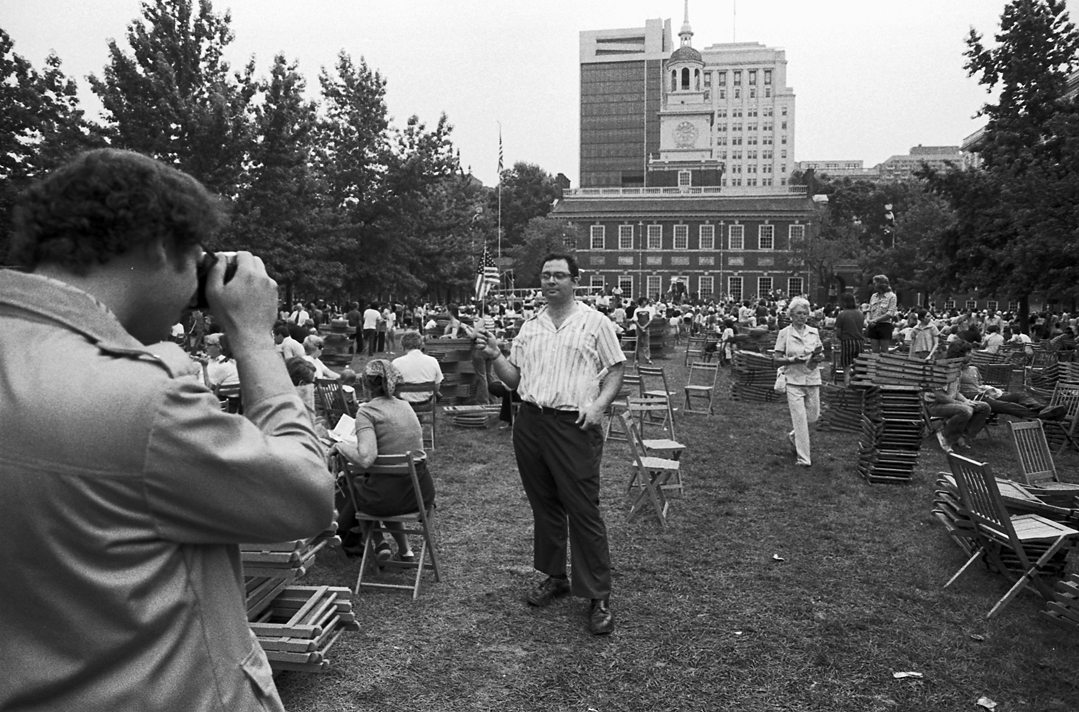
{"points": [[65, 304]]}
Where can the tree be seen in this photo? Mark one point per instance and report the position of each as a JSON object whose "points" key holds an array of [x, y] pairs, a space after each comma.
{"points": [[1016, 223], [541, 237], [174, 98], [280, 214], [528, 192], [41, 126]]}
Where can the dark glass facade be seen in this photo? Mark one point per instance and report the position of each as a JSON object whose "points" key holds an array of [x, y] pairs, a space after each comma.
{"points": [[619, 121]]}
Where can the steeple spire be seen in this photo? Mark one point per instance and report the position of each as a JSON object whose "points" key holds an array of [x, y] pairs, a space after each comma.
{"points": [[686, 33]]}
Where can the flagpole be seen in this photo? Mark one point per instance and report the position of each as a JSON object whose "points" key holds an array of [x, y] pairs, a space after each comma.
{"points": [[499, 189]]}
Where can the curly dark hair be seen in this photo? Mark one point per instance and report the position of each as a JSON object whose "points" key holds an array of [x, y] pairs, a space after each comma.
{"points": [[106, 202]]}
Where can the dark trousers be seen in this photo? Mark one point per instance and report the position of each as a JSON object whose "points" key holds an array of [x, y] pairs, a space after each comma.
{"points": [[369, 339], [559, 466], [508, 396]]}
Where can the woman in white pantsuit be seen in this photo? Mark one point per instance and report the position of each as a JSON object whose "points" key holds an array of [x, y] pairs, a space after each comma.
{"points": [[799, 351]]}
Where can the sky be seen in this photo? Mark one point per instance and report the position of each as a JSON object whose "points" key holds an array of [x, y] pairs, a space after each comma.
{"points": [[871, 78]]}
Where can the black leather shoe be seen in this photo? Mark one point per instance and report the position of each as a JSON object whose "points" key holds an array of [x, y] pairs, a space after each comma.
{"points": [[547, 591], [601, 620], [1055, 412]]}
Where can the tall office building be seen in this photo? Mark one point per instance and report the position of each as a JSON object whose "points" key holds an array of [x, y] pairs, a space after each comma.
{"points": [[650, 110]]}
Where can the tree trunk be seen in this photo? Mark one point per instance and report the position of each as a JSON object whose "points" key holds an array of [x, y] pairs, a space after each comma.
{"points": [[1024, 313]]}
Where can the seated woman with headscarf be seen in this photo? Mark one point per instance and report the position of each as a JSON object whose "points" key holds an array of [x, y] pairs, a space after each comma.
{"points": [[963, 417], [388, 426]]}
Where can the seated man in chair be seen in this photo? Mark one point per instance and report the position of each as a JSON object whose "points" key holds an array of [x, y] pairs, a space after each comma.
{"points": [[417, 367]]}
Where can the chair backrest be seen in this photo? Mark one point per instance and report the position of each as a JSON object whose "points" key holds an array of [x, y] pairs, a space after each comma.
{"points": [[998, 375], [704, 373], [1032, 448], [1067, 394], [427, 387], [650, 374], [630, 426], [981, 497], [396, 464], [330, 399]]}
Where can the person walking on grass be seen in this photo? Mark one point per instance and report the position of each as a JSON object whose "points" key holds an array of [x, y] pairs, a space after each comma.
{"points": [[567, 365], [799, 350]]}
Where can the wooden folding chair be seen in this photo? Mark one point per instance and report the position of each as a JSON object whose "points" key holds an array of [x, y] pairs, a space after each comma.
{"points": [[425, 410], [701, 384], [1064, 430], [631, 385], [695, 349], [1035, 459], [629, 346], [654, 412], [653, 474], [996, 532], [330, 401], [664, 448], [654, 385], [420, 522]]}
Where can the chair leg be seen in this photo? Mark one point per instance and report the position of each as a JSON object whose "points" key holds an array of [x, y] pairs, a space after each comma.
{"points": [[977, 555]]}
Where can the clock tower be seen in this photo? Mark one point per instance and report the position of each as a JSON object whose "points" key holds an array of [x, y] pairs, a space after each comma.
{"points": [[686, 118]]}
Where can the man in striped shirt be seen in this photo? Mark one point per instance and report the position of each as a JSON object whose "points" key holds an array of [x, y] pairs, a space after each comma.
{"points": [[566, 365]]}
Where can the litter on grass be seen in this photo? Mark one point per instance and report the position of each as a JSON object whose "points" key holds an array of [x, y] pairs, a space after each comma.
{"points": [[901, 675], [986, 703]]}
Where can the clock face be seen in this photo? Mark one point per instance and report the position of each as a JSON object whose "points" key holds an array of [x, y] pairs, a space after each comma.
{"points": [[685, 135]]}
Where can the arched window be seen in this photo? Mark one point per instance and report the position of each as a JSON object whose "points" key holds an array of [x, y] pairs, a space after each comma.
{"points": [[674, 80], [685, 79], [696, 80]]}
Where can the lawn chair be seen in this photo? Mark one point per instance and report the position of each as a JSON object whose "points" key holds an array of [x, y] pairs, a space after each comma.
{"points": [[629, 346], [631, 384], [996, 532], [652, 412], [695, 346], [654, 385], [653, 473], [1064, 430], [664, 448], [1035, 459], [701, 384], [425, 410], [420, 522], [330, 401]]}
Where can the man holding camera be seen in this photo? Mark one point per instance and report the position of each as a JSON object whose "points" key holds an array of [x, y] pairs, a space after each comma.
{"points": [[124, 489]]}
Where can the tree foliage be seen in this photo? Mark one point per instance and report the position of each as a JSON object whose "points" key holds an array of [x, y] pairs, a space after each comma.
{"points": [[541, 237], [528, 192], [1016, 219], [173, 96]]}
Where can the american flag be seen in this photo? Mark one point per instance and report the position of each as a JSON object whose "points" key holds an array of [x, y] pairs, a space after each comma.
{"points": [[486, 275], [499, 154]]}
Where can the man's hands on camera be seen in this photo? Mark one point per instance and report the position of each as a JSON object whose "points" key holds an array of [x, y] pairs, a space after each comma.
{"points": [[245, 305]]}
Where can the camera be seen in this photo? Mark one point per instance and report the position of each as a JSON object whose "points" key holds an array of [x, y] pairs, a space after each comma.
{"points": [[209, 259]]}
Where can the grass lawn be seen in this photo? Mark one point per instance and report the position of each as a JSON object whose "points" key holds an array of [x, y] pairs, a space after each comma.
{"points": [[707, 617]]}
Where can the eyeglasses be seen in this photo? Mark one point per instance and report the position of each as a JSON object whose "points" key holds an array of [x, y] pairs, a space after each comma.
{"points": [[558, 276]]}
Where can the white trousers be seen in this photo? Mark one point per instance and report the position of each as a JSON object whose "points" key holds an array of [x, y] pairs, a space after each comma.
{"points": [[804, 404]]}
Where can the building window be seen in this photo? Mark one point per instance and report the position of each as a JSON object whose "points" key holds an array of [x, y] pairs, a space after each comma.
{"points": [[595, 282], [625, 237], [598, 237], [625, 283], [736, 168], [752, 182], [737, 77], [794, 287], [655, 237], [681, 237], [708, 237], [764, 286], [736, 182], [766, 236], [783, 111], [1013, 307], [685, 179], [737, 237], [721, 113], [737, 92], [767, 76], [751, 168], [736, 140], [653, 286], [994, 305], [782, 153], [721, 78], [766, 181], [796, 233], [752, 77], [753, 92], [734, 288], [972, 304], [704, 287], [950, 304], [722, 93], [768, 92]]}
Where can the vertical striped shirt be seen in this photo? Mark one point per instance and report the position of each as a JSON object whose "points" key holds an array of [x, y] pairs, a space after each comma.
{"points": [[561, 368]]}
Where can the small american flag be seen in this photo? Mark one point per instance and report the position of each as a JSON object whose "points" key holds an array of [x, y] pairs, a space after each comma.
{"points": [[486, 275]]}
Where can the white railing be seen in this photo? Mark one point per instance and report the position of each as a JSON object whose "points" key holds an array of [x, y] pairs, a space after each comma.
{"points": [[688, 191]]}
